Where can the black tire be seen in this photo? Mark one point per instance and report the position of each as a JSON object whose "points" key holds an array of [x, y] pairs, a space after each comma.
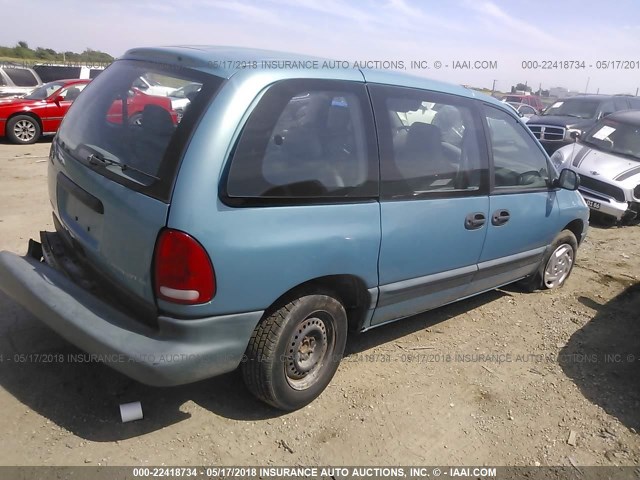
{"points": [[23, 129], [286, 365], [135, 120], [541, 280]]}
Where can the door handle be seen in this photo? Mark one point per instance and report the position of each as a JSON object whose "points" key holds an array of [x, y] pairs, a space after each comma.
{"points": [[500, 217], [473, 221]]}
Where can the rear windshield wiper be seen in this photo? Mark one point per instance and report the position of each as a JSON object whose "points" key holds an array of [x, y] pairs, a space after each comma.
{"points": [[97, 159]]}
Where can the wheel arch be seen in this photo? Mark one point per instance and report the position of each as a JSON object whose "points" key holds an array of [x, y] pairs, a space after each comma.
{"points": [[576, 227], [349, 289], [28, 113]]}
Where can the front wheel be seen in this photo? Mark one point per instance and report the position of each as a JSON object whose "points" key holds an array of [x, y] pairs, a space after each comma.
{"points": [[23, 129], [295, 351], [557, 264]]}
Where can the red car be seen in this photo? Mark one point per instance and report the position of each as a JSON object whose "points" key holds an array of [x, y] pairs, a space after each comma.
{"points": [[136, 101], [25, 119]]}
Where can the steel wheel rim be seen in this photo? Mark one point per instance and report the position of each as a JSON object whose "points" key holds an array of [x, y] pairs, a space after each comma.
{"points": [[558, 266], [309, 349], [24, 130]]}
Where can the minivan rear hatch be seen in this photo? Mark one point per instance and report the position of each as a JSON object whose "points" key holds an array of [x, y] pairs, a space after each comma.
{"points": [[114, 163]]}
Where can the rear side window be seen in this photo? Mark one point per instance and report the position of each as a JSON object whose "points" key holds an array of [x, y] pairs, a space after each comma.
{"points": [[306, 140], [607, 108], [49, 73], [518, 162], [620, 104], [21, 77], [634, 103], [133, 135], [429, 143]]}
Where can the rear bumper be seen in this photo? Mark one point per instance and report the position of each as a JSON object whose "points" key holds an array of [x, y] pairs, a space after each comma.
{"points": [[177, 352]]}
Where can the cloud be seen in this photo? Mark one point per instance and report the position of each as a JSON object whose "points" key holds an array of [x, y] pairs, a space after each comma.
{"points": [[519, 29], [248, 11], [332, 8], [417, 19]]}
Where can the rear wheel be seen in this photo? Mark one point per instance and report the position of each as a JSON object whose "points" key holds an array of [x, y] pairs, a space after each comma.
{"points": [[557, 264], [23, 129], [295, 351], [135, 120]]}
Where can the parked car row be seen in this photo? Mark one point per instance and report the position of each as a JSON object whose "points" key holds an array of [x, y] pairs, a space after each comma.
{"points": [[554, 127], [17, 80], [607, 158], [597, 136]]}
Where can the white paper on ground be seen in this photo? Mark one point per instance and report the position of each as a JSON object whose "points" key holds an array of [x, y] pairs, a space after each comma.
{"points": [[131, 411]]}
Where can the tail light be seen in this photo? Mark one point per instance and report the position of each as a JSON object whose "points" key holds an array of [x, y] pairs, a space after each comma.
{"points": [[183, 270]]}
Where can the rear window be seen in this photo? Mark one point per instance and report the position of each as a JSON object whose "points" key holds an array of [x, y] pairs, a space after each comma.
{"points": [[21, 77], [49, 73], [126, 126]]}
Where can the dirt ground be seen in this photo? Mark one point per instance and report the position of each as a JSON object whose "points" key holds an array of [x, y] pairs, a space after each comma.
{"points": [[500, 379]]}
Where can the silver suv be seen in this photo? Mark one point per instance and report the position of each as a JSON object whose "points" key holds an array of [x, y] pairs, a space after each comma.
{"points": [[17, 80]]}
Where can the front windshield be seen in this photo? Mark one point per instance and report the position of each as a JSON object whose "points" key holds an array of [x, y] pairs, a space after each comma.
{"points": [[45, 91], [617, 138], [574, 107]]}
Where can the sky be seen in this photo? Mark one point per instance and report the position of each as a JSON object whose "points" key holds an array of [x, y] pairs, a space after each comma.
{"points": [[505, 32]]}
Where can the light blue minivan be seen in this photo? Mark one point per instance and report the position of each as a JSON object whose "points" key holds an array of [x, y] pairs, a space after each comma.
{"points": [[289, 203]]}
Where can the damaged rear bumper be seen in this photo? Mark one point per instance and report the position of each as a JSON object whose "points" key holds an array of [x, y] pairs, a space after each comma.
{"points": [[177, 351]]}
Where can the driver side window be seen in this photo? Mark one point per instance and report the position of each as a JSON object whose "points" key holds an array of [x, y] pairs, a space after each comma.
{"points": [[71, 93], [518, 162]]}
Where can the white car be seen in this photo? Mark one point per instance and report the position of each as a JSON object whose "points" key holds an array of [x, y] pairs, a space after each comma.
{"points": [[151, 87], [16, 81], [525, 112], [181, 97], [607, 158]]}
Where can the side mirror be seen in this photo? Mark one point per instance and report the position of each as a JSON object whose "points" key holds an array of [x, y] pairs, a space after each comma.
{"points": [[575, 135], [520, 114], [58, 99], [569, 180]]}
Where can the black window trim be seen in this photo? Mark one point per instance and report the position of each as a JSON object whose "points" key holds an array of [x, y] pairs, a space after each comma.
{"points": [[449, 99], [511, 190], [371, 139]]}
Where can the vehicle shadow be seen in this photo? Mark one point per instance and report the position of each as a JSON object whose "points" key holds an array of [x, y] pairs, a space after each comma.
{"points": [[59, 382], [603, 222], [43, 139], [602, 358]]}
